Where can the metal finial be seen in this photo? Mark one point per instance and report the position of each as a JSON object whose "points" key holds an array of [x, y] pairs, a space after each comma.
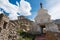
{"points": [[41, 5]]}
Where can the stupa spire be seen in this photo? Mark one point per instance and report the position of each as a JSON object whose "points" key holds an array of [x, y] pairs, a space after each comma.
{"points": [[41, 5]]}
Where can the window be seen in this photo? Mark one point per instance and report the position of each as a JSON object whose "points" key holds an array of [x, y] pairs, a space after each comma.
{"points": [[0, 29], [9, 36], [4, 26], [1, 15]]}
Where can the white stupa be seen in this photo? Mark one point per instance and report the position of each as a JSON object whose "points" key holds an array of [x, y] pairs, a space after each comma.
{"points": [[42, 16]]}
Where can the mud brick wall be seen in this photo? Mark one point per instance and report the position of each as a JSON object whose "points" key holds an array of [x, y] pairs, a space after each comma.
{"points": [[52, 36]]}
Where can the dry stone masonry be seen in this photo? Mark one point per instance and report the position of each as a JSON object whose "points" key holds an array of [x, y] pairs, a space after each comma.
{"points": [[8, 28]]}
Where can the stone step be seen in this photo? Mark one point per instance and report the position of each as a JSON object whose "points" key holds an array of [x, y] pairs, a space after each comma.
{"points": [[42, 37]]}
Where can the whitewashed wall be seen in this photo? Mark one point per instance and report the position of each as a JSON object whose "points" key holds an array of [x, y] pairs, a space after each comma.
{"points": [[52, 27]]}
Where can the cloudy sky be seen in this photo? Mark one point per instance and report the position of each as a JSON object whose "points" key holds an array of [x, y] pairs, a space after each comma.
{"points": [[29, 8]]}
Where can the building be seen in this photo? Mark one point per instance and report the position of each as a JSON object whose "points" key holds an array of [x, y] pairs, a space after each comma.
{"points": [[42, 17], [28, 25], [13, 25], [51, 28], [4, 31], [8, 28], [25, 23]]}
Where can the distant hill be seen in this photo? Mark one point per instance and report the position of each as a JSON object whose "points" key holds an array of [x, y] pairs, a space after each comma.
{"points": [[57, 21]]}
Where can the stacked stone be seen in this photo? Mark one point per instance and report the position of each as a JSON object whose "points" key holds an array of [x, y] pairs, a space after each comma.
{"points": [[4, 31]]}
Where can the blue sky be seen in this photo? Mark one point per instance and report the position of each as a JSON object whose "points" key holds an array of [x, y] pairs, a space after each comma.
{"points": [[52, 6], [35, 5]]}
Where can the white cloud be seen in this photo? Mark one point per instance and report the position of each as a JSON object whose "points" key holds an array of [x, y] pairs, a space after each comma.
{"points": [[1, 11], [53, 7], [24, 8]]}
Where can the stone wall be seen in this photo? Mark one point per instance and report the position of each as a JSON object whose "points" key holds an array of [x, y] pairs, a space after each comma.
{"points": [[52, 31], [13, 25], [8, 28], [52, 27], [4, 31], [52, 35]]}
